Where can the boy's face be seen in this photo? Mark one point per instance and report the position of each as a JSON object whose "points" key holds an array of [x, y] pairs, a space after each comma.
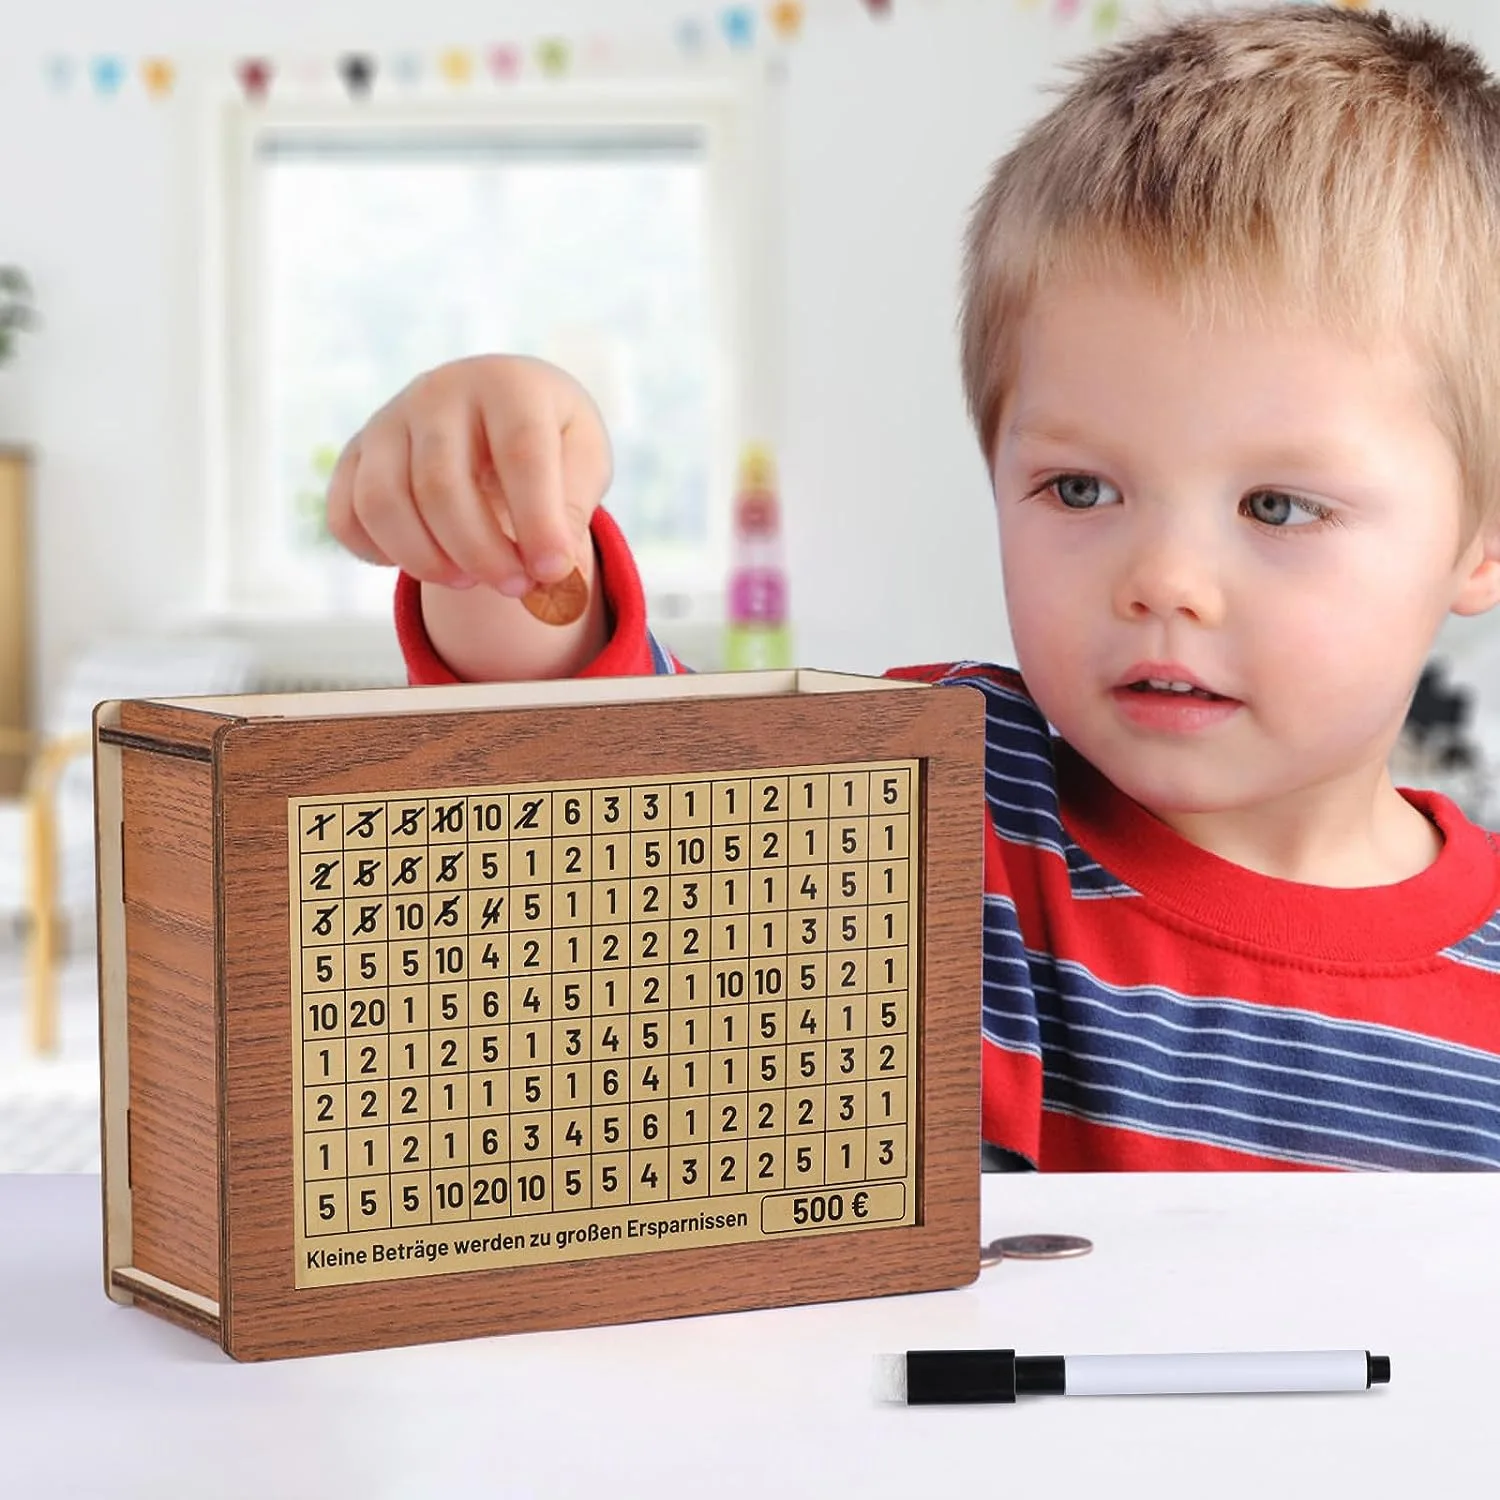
{"points": [[1272, 511]]}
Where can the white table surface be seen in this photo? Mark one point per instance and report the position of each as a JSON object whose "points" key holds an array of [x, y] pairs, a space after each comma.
{"points": [[101, 1400]]}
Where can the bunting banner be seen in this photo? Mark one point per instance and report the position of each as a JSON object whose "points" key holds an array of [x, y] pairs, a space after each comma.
{"points": [[692, 37], [158, 74]]}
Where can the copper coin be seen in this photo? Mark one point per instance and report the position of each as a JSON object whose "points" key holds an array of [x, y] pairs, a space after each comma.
{"points": [[1034, 1247], [559, 603]]}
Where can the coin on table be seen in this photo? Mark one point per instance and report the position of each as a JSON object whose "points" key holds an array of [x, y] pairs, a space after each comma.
{"points": [[558, 603], [1034, 1247]]}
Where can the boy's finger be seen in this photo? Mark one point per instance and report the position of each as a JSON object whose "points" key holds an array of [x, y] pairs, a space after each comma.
{"points": [[528, 462], [462, 519], [587, 469], [383, 505], [345, 527]]}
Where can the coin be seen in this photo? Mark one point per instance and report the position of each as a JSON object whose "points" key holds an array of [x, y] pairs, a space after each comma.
{"points": [[1033, 1247], [559, 603]]}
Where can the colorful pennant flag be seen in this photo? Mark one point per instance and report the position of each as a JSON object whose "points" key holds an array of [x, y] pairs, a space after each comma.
{"points": [[309, 72], [108, 74], [406, 69], [786, 18], [505, 61], [456, 65], [553, 56], [254, 74], [158, 74], [878, 7], [357, 69], [739, 26]]}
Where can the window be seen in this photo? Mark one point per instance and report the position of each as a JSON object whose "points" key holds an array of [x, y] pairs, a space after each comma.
{"points": [[364, 247]]}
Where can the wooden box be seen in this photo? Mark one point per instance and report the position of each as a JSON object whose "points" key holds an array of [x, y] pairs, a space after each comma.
{"points": [[438, 1012]]}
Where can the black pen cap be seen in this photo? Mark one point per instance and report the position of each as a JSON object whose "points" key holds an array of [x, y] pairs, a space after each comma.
{"points": [[947, 1377]]}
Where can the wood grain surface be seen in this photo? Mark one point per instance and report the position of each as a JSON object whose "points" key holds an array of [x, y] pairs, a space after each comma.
{"points": [[186, 821], [169, 892]]}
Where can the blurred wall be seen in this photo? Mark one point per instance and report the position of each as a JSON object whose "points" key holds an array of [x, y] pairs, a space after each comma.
{"points": [[884, 131]]}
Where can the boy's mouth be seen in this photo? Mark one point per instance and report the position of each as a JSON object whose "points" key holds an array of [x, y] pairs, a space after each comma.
{"points": [[1166, 698], [1174, 689], [1167, 679]]}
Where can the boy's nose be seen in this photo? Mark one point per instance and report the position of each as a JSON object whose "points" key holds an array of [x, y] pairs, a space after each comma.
{"points": [[1166, 573]]}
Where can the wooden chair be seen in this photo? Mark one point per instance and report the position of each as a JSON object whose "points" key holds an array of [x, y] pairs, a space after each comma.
{"points": [[46, 835]]}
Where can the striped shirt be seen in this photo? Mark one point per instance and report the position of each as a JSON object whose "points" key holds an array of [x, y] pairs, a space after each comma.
{"points": [[1149, 1006]]}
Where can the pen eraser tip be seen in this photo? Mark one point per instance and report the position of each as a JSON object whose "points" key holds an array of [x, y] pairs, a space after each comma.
{"points": [[890, 1379]]}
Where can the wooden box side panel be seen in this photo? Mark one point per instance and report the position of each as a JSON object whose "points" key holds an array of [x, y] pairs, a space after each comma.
{"points": [[951, 984], [263, 764], [173, 1031]]}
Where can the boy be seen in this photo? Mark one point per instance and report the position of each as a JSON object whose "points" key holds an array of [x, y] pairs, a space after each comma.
{"points": [[1231, 348]]}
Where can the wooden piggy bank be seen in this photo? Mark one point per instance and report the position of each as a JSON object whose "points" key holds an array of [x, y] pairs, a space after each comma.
{"points": [[437, 1012]]}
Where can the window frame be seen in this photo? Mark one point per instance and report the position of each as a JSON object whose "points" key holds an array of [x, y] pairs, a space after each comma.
{"points": [[728, 112]]}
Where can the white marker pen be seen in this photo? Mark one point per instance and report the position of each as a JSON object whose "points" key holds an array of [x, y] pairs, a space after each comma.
{"points": [[941, 1377]]}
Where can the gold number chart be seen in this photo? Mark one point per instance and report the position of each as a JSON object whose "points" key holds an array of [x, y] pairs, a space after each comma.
{"points": [[559, 1021]]}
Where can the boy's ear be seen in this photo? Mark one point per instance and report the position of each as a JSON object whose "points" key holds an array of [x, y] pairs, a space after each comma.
{"points": [[1478, 574]]}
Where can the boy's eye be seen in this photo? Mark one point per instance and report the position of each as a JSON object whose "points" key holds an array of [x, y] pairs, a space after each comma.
{"points": [[1274, 509], [1082, 491]]}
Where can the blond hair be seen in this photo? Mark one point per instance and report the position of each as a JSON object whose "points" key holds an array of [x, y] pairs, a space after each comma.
{"points": [[1340, 164]]}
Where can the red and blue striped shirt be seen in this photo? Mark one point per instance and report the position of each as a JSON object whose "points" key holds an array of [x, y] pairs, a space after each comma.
{"points": [[1149, 1006]]}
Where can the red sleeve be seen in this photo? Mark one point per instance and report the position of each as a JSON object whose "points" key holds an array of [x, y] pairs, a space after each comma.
{"points": [[628, 652], [930, 672]]}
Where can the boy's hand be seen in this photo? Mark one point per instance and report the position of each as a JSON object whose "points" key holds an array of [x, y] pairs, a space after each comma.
{"points": [[486, 470]]}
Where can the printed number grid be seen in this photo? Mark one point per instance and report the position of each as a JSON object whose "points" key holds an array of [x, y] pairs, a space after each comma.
{"points": [[519, 1001]]}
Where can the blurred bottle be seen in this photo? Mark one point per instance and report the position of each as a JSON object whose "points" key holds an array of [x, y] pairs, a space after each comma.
{"points": [[757, 633]]}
